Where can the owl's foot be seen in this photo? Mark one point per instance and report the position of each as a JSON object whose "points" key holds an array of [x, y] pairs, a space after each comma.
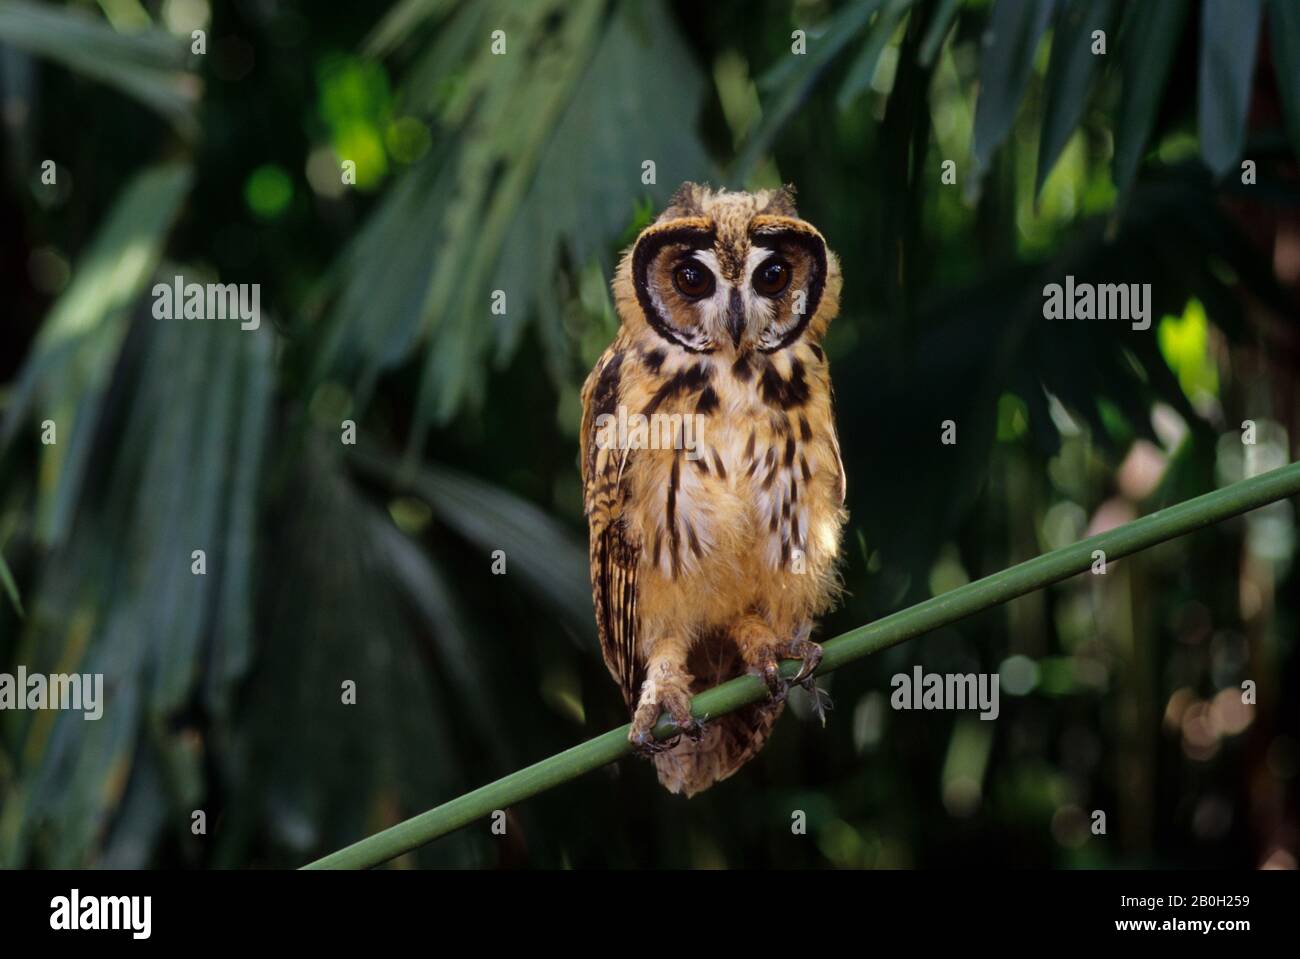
{"points": [[763, 651], [810, 656], [768, 666], [668, 692]]}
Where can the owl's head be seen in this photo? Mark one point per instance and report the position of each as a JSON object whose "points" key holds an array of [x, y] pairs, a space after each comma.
{"points": [[729, 272]]}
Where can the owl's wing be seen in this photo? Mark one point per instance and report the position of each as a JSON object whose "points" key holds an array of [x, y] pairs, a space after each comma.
{"points": [[615, 553], [842, 479], [839, 463]]}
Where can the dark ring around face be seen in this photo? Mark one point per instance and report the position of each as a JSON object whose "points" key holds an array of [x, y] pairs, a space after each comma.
{"points": [[695, 233], [778, 238]]}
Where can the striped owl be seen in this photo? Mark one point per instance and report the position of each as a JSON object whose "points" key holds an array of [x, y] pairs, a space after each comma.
{"points": [[713, 483]]}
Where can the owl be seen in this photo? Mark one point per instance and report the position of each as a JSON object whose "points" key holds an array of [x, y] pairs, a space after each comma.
{"points": [[713, 482]]}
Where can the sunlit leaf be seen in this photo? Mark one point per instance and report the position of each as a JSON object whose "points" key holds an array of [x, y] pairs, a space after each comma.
{"points": [[1184, 343]]}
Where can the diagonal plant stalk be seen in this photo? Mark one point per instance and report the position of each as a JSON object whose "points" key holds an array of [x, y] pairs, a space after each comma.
{"points": [[924, 617]]}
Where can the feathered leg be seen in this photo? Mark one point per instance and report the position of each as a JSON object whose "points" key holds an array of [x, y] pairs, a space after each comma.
{"points": [[667, 688]]}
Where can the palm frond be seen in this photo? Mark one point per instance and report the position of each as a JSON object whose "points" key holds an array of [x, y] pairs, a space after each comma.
{"points": [[547, 556], [562, 112], [66, 376], [150, 65]]}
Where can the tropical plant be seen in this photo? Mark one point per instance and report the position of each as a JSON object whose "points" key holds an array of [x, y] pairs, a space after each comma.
{"points": [[432, 211]]}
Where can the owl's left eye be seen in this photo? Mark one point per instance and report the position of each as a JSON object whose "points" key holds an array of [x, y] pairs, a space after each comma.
{"points": [[772, 277], [693, 280]]}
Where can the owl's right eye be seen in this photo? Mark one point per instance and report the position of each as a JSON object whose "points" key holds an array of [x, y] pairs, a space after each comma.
{"points": [[693, 280]]}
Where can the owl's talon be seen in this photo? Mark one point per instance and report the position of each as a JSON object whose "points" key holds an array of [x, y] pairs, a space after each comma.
{"points": [[646, 746], [811, 655], [770, 672], [692, 729]]}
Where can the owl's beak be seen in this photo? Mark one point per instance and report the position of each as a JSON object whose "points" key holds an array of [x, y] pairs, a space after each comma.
{"points": [[735, 317]]}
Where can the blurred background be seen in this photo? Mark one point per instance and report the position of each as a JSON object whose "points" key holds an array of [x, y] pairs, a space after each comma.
{"points": [[523, 172]]}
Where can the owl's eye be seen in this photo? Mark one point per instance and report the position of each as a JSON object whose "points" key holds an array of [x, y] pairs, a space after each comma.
{"points": [[772, 277], [693, 280]]}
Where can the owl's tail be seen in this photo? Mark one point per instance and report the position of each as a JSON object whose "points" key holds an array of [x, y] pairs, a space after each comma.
{"points": [[729, 741]]}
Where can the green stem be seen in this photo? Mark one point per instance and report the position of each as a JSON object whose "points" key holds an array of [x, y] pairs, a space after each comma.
{"points": [[939, 611]]}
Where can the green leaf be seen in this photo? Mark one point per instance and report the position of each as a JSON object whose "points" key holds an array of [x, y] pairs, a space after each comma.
{"points": [[794, 78], [457, 317], [150, 65], [425, 587], [864, 66], [1069, 76], [10, 587], [1006, 61], [1149, 37], [1229, 42], [314, 771], [400, 21], [539, 155], [583, 209], [547, 556], [937, 30], [68, 371], [232, 627], [1284, 18]]}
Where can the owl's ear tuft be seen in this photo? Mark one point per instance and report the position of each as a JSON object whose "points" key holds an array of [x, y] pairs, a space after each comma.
{"points": [[687, 200], [781, 202]]}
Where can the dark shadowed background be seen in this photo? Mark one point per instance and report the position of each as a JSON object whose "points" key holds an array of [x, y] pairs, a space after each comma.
{"points": [[524, 172]]}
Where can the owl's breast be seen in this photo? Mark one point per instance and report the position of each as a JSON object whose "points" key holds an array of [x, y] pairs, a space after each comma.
{"points": [[751, 494]]}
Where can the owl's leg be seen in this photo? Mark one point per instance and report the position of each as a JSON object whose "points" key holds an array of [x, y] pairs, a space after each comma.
{"points": [[809, 653], [667, 688], [758, 647], [763, 650]]}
